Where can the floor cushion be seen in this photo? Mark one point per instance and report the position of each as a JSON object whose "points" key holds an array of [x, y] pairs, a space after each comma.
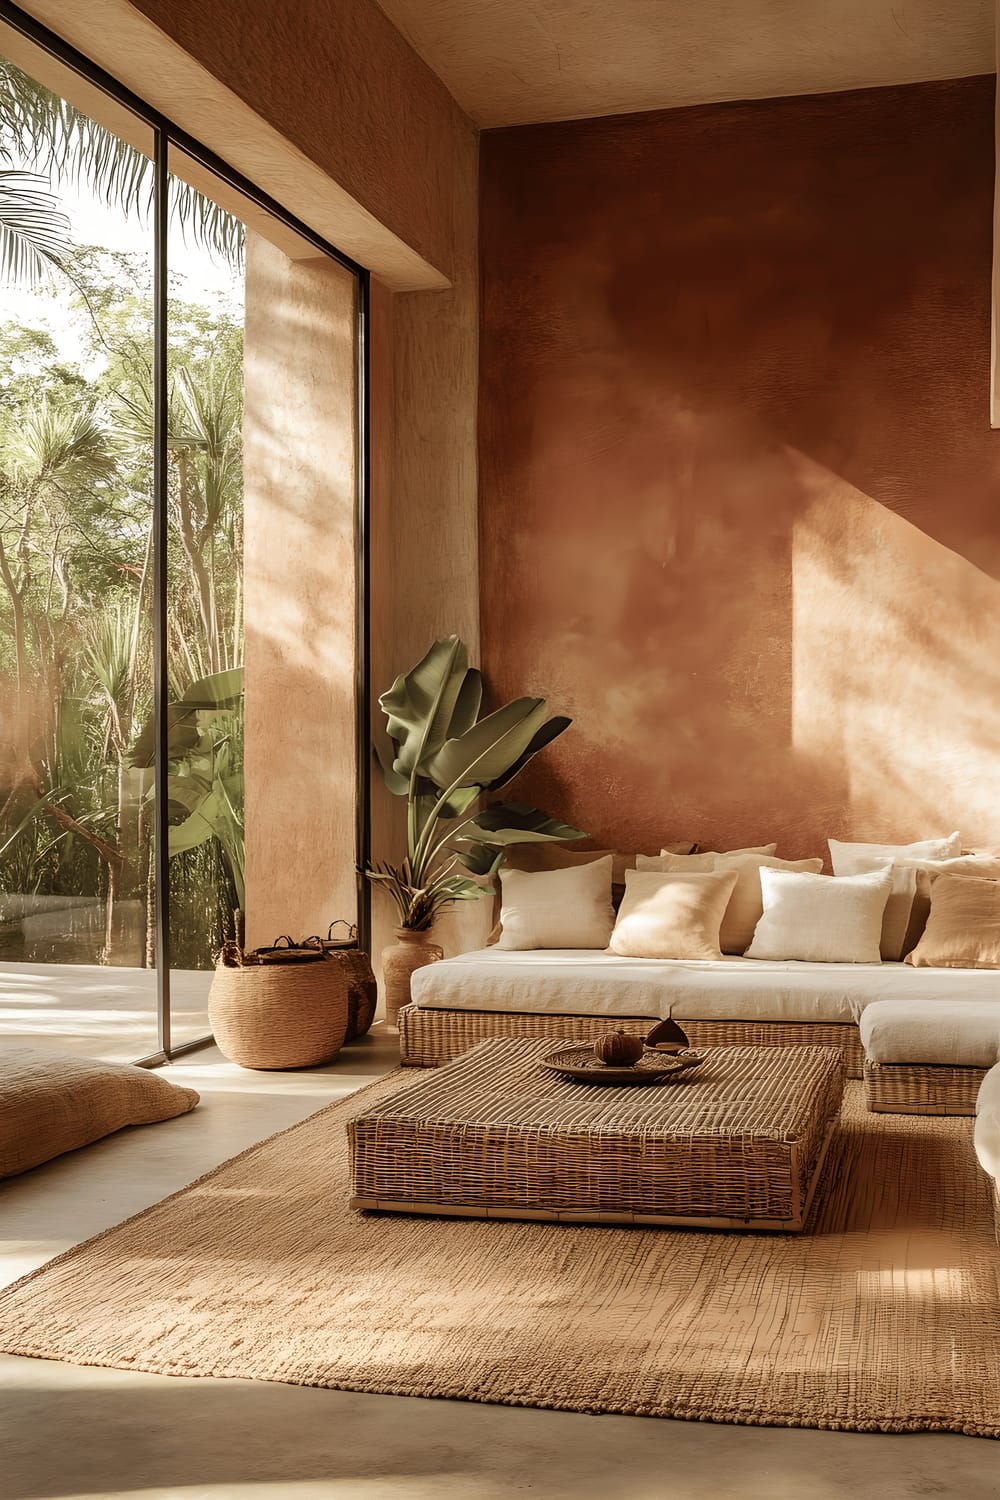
{"points": [[963, 1035], [51, 1102]]}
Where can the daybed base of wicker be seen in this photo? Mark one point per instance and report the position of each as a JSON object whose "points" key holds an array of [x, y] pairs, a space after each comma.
{"points": [[429, 1037], [921, 1089]]}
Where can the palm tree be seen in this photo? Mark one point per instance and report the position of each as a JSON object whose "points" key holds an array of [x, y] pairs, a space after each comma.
{"points": [[34, 231], [41, 133]]}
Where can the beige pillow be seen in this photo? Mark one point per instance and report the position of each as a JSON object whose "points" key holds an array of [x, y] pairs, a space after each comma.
{"points": [[909, 902], [821, 918], [568, 908], [746, 905], [843, 856], [51, 1102], [702, 861], [540, 856], [963, 928], [672, 916], [545, 856]]}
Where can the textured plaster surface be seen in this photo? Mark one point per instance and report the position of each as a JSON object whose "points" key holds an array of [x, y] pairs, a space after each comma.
{"points": [[424, 566], [739, 490], [524, 61], [343, 86], [299, 436]]}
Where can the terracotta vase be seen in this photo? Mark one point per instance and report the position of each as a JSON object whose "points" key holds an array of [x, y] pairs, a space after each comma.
{"points": [[410, 951]]}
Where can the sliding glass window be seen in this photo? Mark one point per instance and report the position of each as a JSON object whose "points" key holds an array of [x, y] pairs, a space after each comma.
{"points": [[128, 737]]}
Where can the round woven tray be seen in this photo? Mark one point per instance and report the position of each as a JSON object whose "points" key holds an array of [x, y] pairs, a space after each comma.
{"points": [[580, 1064]]}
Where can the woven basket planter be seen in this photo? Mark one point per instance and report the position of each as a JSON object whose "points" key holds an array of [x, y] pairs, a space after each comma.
{"points": [[278, 1012], [358, 976]]}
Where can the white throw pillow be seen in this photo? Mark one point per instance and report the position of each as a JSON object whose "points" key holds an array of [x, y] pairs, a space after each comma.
{"points": [[825, 919], [843, 857], [568, 908], [704, 862], [746, 904]]}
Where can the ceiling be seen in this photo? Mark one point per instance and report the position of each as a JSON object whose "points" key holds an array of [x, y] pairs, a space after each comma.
{"points": [[518, 62]]}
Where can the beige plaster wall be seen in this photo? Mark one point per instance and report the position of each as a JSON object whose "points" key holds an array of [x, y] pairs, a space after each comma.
{"points": [[424, 526], [299, 436]]}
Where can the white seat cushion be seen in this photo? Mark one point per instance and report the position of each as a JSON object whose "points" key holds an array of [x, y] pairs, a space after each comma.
{"points": [[580, 982], [963, 1034]]}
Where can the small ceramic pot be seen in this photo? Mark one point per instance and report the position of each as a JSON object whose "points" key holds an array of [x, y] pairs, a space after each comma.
{"points": [[410, 951]]}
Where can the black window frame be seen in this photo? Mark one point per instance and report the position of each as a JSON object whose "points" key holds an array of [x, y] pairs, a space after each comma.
{"points": [[167, 135]]}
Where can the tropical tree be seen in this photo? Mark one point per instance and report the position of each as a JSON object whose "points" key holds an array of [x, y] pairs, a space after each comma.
{"points": [[44, 138], [75, 538]]}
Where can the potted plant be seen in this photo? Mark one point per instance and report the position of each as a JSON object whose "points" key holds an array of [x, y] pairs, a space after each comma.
{"points": [[445, 759]]}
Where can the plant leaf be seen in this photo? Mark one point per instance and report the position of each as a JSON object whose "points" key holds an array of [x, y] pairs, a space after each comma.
{"points": [[478, 859], [467, 704], [487, 750], [548, 732], [398, 785], [34, 232], [458, 804], [218, 693], [420, 703], [501, 824]]}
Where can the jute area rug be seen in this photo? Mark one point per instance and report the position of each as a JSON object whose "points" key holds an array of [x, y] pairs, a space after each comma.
{"points": [[884, 1315]]}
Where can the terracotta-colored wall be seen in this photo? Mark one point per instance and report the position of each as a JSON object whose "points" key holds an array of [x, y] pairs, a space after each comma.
{"points": [[740, 501]]}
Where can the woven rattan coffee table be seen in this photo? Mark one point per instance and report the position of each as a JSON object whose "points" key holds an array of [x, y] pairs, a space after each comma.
{"points": [[735, 1144]]}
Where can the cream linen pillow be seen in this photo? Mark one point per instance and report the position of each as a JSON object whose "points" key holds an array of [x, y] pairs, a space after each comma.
{"points": [[746, 904], [548, 856], [702, 861], [843, 856], [671, 916], [568, 908], [963, 928], [822, 919], [909, 902]]}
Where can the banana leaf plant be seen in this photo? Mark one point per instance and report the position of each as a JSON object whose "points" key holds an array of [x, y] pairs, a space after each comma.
{"points": [[445, 759], [205, 780]]}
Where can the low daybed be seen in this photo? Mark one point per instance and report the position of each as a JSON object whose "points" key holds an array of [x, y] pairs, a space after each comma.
{"points": [[735, 1001]]}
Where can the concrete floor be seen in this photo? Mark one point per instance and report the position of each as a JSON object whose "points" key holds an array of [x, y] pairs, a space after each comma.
{"points": [[68, 1431], [97, 1011]]}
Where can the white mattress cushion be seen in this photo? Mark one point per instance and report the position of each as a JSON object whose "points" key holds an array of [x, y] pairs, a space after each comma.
{"points": [[576, 982], [965, 1034], [987, 1136]]}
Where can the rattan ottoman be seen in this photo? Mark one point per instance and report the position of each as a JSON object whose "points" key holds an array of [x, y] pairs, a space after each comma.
{"points": [[735, 1144]]}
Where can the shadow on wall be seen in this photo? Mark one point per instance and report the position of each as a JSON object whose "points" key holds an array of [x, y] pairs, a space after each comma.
{"points": [[832, 671]]}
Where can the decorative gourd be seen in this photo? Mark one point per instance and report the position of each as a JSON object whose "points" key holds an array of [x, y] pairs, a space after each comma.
{"points": [[667, 1036], [619, 1048]]}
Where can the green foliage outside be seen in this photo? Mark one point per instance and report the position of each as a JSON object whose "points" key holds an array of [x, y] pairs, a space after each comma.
{"points": [[76, 595]]}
